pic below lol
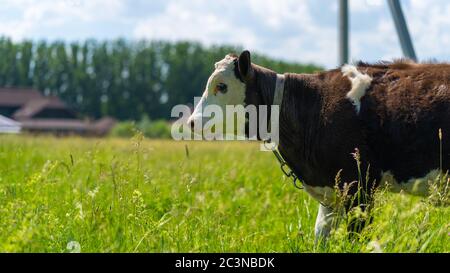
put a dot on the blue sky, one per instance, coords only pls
(295, 30)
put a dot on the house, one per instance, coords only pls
(37, 113)
(12, 99)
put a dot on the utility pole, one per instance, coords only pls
(402, 29)
(343, 32)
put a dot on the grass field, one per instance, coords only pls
(110, 195)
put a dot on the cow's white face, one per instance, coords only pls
(223, 88)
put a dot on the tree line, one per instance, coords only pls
(119, 78)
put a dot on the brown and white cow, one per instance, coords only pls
(390, 112)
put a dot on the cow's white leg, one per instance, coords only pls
(324, 222)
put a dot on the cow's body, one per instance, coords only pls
(391, 113)
(395, 130)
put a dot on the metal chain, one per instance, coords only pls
(286, 169)
(283, 165)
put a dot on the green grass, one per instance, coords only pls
(114, 195)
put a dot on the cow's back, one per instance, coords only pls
(402, 113)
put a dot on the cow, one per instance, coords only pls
(395, 114)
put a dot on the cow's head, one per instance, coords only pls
(227, 85)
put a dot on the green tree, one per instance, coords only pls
(119, 78)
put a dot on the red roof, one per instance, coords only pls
(35, 106)
(18, 96)
(29, 103)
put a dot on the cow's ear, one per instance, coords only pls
(245, 65)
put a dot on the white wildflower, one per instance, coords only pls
(374, 247)
(93, 192)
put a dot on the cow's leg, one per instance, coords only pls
(326, 217)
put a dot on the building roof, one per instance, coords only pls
(18, 96)
(33, 107)
(36, 113)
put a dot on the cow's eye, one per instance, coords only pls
(222, 88)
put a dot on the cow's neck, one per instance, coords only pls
(297, 115)
(300, 98)
(265, 85)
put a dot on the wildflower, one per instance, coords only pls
(93, 192)
(79, 206)
(137, 197)
(73, 247)
(356, 155)
(375, 247)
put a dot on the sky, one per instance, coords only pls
(293, 30)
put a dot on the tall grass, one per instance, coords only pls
(137, 195)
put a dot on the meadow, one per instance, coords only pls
(138, 195)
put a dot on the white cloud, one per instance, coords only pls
(304, 40)
(278, 14)
(381, 40)
(283, 29)
(304, 31)
(47, 13)
(366, 5)
(428, 23)
(429, 26)
(184, 21)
